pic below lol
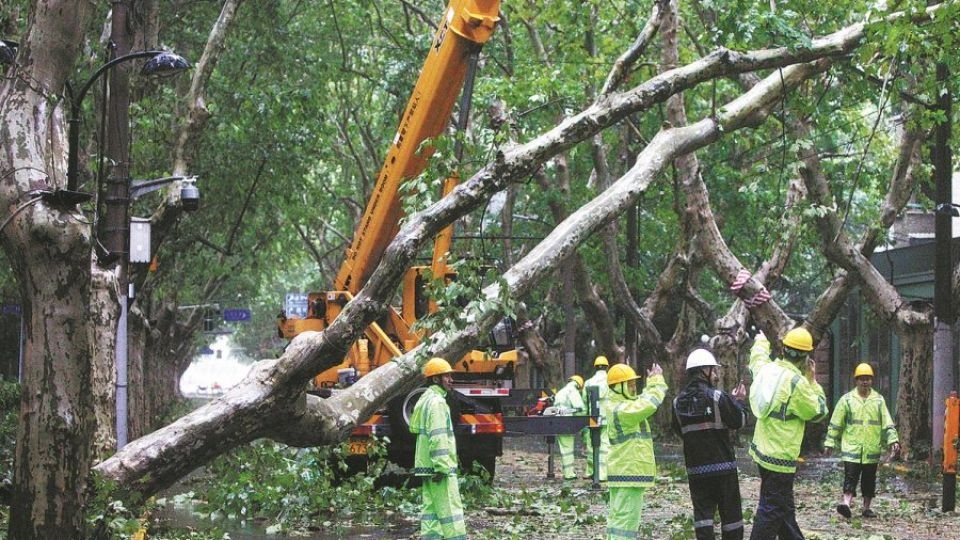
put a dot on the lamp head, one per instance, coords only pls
(8, 51)
(164, 64)
(948, 209)
(189, 195)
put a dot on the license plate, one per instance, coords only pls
(358, 448)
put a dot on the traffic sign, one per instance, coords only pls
(295, 305)
(236, 315)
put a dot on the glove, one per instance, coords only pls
(438, 476)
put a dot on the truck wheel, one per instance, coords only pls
(405, 408)
(399, 411)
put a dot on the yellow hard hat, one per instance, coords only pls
(799, 338)
(621, 373)
(863, 370)
(436, 366)
(601, 361)
(577, 379)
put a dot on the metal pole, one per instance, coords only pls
(550, 440)
(943, 363)
(943, 368)
(122, 378)
(116, 219)
(593, 396)
(20, 341)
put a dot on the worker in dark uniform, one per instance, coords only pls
(703, 416)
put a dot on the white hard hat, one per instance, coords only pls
(701, 358)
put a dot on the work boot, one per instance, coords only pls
(868, 513)
(843, 510)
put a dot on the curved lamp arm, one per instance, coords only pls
(176, 64)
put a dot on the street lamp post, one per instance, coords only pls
(159, 63)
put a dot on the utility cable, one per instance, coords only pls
(23, 206)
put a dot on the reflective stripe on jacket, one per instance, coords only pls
(703, 416)
(436, 445)
(793, 401)
(863, 426)
(569, 398)
(631, 462)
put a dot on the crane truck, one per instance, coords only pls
(482, 378)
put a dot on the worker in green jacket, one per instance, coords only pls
(631, 468)
(784, 396)
(435, 460)
(862, 424)
(598, 381)
(569, 400)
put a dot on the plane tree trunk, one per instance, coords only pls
(50, 252)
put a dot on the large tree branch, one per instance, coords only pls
(838, 247)
(157, 460)
(274, 388)
(624, 65)
(166, 216)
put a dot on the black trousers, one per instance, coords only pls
(863, 473)
(776, 512)
(712, 494)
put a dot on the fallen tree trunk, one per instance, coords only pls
(271, 402)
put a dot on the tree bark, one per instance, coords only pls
(915, 392)
(50, 252)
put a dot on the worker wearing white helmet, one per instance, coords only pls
(703, 416)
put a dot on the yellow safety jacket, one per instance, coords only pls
(863, 425)
(569, 398)
(436, 451)
(783, 400)
(631, 462)
(599, 379)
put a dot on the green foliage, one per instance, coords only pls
(9, 412)
(287, 489)
(106, 515)
(464, 297)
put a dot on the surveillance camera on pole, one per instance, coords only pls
(189, 194)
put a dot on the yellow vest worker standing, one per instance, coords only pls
(436, 456)
(570, 400)
(599, 380)
(784, 399)
(632, 467)
(862, 422)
